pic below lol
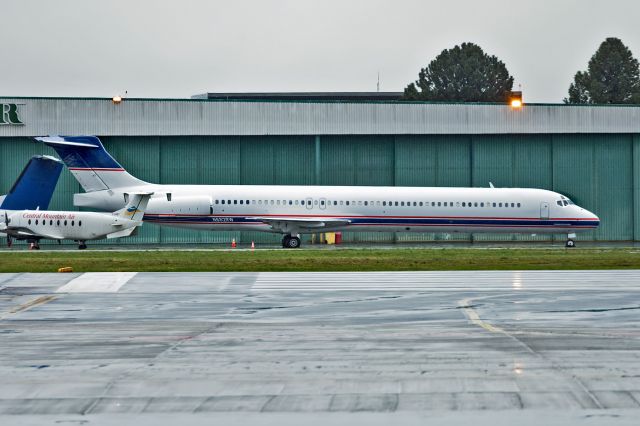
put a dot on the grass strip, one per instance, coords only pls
(420, 259)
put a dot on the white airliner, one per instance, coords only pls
(22, 219)
(295, 210)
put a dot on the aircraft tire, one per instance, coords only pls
(294, 242)
(285, 241)
(570, 244)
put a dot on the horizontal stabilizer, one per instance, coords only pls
(123, 233)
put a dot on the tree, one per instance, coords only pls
(612, 77)
(465, 74)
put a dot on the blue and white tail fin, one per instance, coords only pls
(90, 163)
(34, 187)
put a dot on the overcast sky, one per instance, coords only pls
(158, 48)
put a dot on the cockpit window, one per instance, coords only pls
(565, 202)
(559, 202)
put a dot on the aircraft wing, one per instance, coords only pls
(296, 224)
(25, 233)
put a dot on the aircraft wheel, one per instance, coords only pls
(82, 246)
(570, 244)
(285, 241)
(294, 242)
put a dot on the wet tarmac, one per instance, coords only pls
(535, 347)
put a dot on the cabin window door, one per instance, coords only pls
(309, 203)
(544, 210)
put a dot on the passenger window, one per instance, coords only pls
(377, 203)
(335, 203)
(73, 223)
(464, 204)
(58, 223)
(50, 223)
(347, 202)
(433, 204)
(241, 201)
(396, 204)
(481, 204)
(235, 201)
(216, 201)
(415, 204)
(248, 202)
(65, 223)
(36, 221)
(79, 223)
(499, 204)
(513, 204)
(228, 201)
(420, 203)
(518, 205)
(366, 203)
(322, 202)
(439, 203)
(297, 202)
(29, 222)
(402, 203)
(341, 202)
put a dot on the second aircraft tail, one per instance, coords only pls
(90, 163)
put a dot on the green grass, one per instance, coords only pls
(421, 259)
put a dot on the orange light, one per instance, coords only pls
(116, 99)
(516, 103)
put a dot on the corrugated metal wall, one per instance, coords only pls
(599, 172)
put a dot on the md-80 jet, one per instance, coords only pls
(295, 210)
(23, 214)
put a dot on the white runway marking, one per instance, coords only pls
(97, 282)
(450, 281)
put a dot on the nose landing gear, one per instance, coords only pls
(570, 242)
(289, 241)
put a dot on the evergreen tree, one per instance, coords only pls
(612, 77)
(465, 74)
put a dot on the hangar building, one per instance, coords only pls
(590, 153)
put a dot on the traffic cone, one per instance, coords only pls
(253, 245)
(233, 243)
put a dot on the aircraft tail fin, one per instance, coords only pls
(92, 166)
(34, 187)
(136, 206)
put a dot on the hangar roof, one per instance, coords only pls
(159, 117)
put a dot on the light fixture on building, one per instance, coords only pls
(515, 99)
(116, 99)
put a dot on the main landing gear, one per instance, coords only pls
(82, 245)
(289, 241)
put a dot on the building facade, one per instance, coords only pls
(589, 153)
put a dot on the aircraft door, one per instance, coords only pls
(323, 203)
(544, 210)
(309, 203)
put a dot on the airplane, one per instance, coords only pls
(295, 210)
(23, 213)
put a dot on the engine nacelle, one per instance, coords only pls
(181, 205)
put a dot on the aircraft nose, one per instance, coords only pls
(593, 218)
